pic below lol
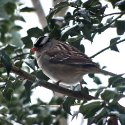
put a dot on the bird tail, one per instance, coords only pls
(108, 73)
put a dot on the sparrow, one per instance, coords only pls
(62, 62)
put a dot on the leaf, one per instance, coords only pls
(8, 93)
(68, 102)
(27, 9)
(120, 24)
(15, 17)
(56, 9)
(27, 85)
(16, 28)
(116, 81)
(122, 119)
(35, 32)
(47, 120)
(5, 59)
(97, 80)
(101, 114)
(39, 74)
(10, 7)
(113, 45)
(90, 109)
(76, 42)
(9, 48)
(107, 95)
(27, 41)
(72, 31)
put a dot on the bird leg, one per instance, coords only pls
(57, 83)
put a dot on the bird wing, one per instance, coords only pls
(70, 56)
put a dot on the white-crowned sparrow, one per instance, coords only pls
(63, 62)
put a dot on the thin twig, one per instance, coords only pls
(107, 48)
(100, 29)
(40, 12)
(116, 13)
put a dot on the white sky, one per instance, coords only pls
(114, 61)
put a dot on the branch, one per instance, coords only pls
(40, 12)
(100, 29)
(107, 48)
(54, 87)
(116, 13)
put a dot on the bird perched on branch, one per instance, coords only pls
(63, 62)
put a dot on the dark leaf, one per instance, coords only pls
(27, 85)
(99, 116)
(90, 109)
(47, 120)
(97, 80)
(121, 5)
(16, 28)
(27, 9)
(120, 24)
(8, 93)
(107, 95)
(9, 48)
(56, 9)
(35, 32)
(113, 45)
(72, 31)
(116, 81)
(27, 41)
(68, 103)
(20, 18)
(39, 74)
(6, 61)
(77, 43)
(122, 119)
(10, 7)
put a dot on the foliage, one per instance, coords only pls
(85, 22)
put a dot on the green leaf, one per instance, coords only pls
(76, 42)
(16, 28)
(9, 48)
(39, 74)
(48, 120)
(8, 93)
(122, 119)
(15, 17)
(72, 31)
(27, 85)
(90, 109)
(27, 41)
(120, 24)
(68, 103)
(27, 9)
(97, 80)
(102, 114)
(113, 45)
(57, 8)
(107, 95)
(5, 59)
(10, 7)
(35, 32)
(116, 81)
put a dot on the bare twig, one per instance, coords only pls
(40, 12)
(107, 48)
(100, 29)
(116, 13)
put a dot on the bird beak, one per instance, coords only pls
(34, 49)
